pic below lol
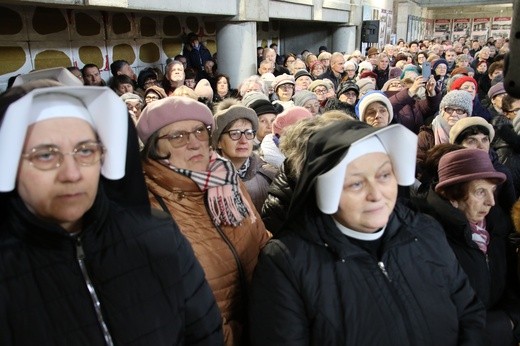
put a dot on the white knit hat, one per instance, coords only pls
(371, 97)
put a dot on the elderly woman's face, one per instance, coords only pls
(376, 115)
(265, 125)
(369, 193)
(477, 141)
(237, 150)
(469, 87)
(452, 114)
(285, 92)
(61, 195)
(303, 82)
(194, 154)
(479, 200)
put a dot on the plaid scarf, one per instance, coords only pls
(226, 202)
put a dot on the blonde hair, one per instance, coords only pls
(293, 143)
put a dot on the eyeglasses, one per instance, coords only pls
(512, 110)
(458, 111)
(237, 134)
(151, 98)
(320, 91)
(48, 157)
(286, 87)
(180, 138)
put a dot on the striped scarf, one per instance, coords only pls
(226, 202)
(480, 235)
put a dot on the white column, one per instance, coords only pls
(236, 50)
(344, 39)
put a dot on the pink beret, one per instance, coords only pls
(289, 117)
(170, 110)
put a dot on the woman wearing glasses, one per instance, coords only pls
(203, 193)
(455, 105)
(77, 266)
(235, 130)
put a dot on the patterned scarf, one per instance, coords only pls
(226, 202)
(242, 171)
(480, 235)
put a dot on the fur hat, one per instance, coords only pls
(465, 165)
(229, 115)
(459, 98)
(346, 86)
(169, 110)
(496, 90)
(289, 117)
(252, 97)
(365, 85)
(204, 89)
(301, 73)
(464, 123)
(281, 80)
(457, 83)
(262, 106)
(302, 96)
(368, 99)
(268, 79)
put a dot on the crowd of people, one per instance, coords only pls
(333, 198)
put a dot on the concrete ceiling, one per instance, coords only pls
(457, 3)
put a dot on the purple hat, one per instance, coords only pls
(465, 165)
(170, 110)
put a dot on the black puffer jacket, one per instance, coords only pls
(150, 287)
(314, 286)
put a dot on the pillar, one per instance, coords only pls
(236, 50)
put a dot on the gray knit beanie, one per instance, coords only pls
(365, 85)
(458, 98)
(229, 115)
(303, 96)
(253, 96)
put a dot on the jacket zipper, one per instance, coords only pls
(381, 266)
(80, 255)
(241, 273)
